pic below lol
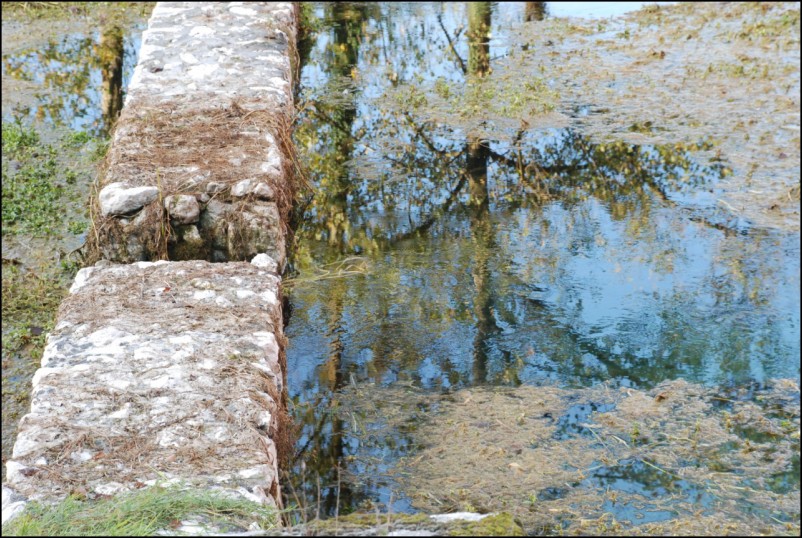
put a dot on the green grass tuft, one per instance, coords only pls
(139, 513)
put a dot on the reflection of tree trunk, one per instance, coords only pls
(482, 238)
(534, 11)
(332, 379)
(344, 53)
(333, 193)
(337, 220)
(479, 38)
(110, 57)
(331, 376)
(477, 153)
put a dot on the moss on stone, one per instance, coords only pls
(502, 524)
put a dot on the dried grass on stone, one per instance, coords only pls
(132, 454)
(181, 149)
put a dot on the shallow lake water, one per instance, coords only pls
(484, 252)
(454, 242)
(64, 78)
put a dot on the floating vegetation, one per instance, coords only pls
(491, 449)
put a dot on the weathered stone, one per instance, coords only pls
(213, 221)
(208, 383)
(263, 191)
(215, 187)
(265, 261)
(221, 80)
(120, 199)
(256, 229)
(243, 188)
(183, 208)
(191, 235)
(273, 158)
(272, 166)
(13, 504)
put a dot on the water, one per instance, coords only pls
(482, 252)
(69, 77)
(490, 253)
(647, 483)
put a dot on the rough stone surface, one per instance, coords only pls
(120, 198)
(214, 187)
(174, 371)
(265, 261)
(255, 228)
(243, 188)
(264, 191)
(183, 208)
(208, 104)
(13, 504)
(156, 371)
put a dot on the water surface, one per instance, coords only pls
(486, 251)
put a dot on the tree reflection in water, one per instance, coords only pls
(80, 78)
(499, 255)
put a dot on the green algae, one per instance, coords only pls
(502, 524)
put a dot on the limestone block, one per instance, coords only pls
(183, 208)
(119, 198)
(256, 229)
(264, 191)
(13, 504)
(243, 188)
(260, 189)
(218, 80)
(265, 261)
(213, 222)
(191, 235)
(181, 357)
(215, 187)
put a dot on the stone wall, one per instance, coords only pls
(174, 370)
(201, 164)
(158, 371)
